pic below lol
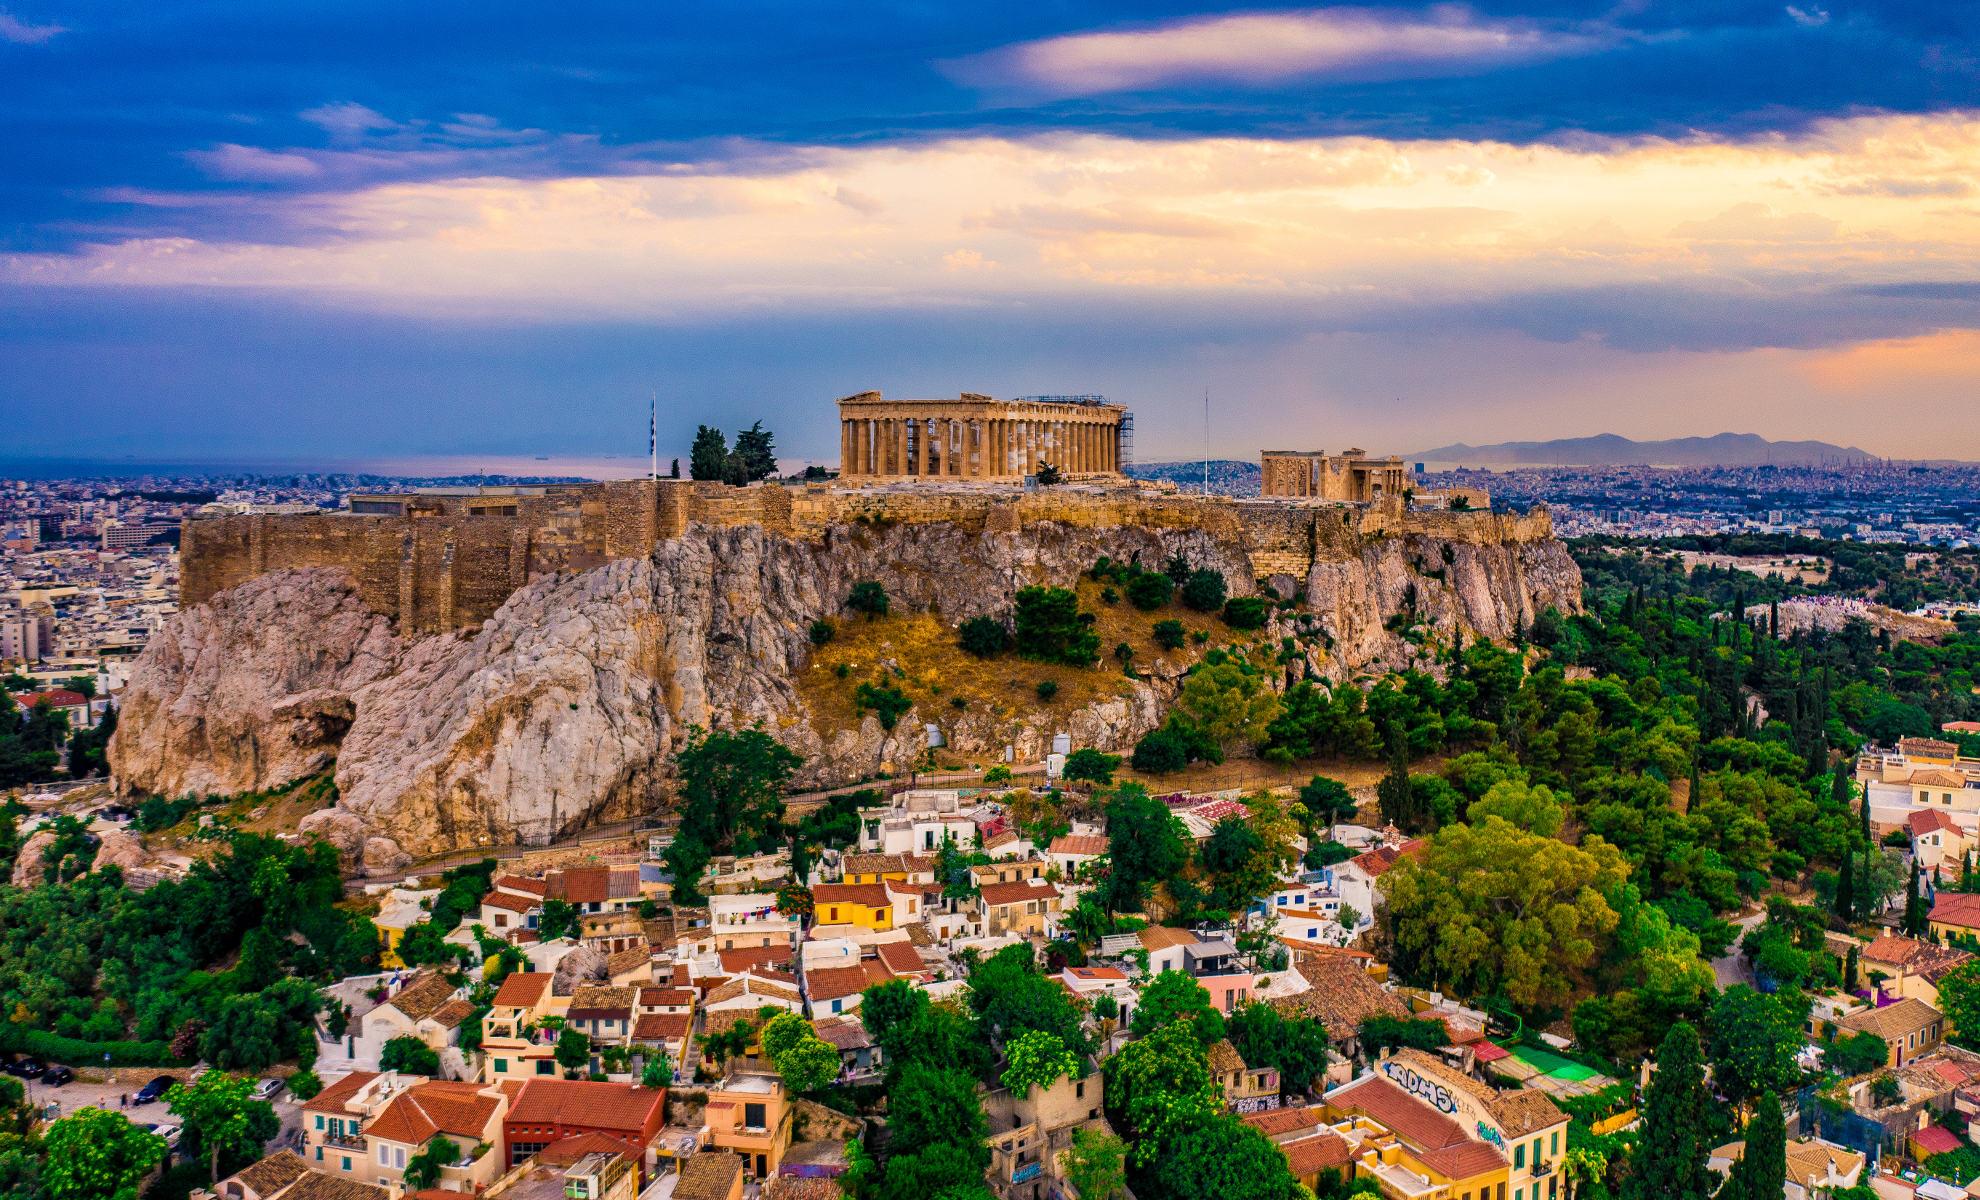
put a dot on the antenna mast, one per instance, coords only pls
(1206, 441)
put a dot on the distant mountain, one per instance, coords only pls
(1613, 450)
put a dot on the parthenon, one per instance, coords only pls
(977, 437)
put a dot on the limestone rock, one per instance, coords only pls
(119, 849)
(28, 867)
(563, 709)
(251, 690)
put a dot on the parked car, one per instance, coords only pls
(27, 1068)
(169, 1132)
(267, 1088)
(154, 1090)
(56, 1076)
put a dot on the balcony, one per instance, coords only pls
(1542, 1168)
(345, 1141)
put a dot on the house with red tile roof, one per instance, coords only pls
(1029, 908)
(466, 1114)
(543, 1112)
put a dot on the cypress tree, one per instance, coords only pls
(1761, 1170)
(1849, 970)
(1846, 887)
(1395, 796)
(1915, 918)
(1669, 1162)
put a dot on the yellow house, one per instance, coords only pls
(888, 868)
(868, 905)
(1910, 1027)
(401, 910)
(1955, 919)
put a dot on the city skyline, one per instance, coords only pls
(349, 232)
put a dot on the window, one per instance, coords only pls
(1554, 1143)
(835, 1005)
(319, 1120)
(755, 1116)
(347, 1164)
(384, 1155)
(1079, 1090)
(1519, 1155)
(545, 1066)
(501, 1066)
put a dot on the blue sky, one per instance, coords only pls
(304, 229)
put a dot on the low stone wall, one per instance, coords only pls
(453, 568)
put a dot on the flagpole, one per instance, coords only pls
(653, 437)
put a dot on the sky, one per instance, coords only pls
(308, 230)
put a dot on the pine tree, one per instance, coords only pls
(708, 458)
(1669, 1162)
(1761, 1170)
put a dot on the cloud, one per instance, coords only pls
(1271, 47)
(252, 164)
(1811, 16)
(21, 33)
(348, 120)
(1647, 244)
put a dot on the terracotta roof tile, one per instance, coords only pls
(998, 894)
(413, 1116)
(663, 1027)
(581, 1102)
(835, 983)
(424, 995)
(523, 989)
(331, 1099)
(709, 1175)
(1085, 843)
(1957, 908)
(1325, 1151)
(872, 895)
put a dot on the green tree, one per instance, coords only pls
(1049, 627)
(984, 636)
(559, 918)
(1246, 612)
(1204, 591)
(1675, 1139)
(731, 799)
(1295, 1047)
(1229, 702)
(708, 458)
(98, 1155)
(933, 1105)
(1159, 1087)
(1096, 1164)
(1224, 1159)
(1752, 1039)
(1378, 1034)
(1531, 807)
(573, 1051)
(1959, 999)
(1036, 1059)
(1011, 998)
(1146, 843)
(423, 1168)
(1492, 909)
(657, 1073)
(755, 455)
(1169, 634)
(1761, 1170)
(1857, 1054)
(1328, 802)
(869, 597)
(1149, 590)
(1087, 765)
(408, 1054)
(223, 1120)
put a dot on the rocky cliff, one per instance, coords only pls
(562, 709)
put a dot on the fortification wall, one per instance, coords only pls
(443, 570)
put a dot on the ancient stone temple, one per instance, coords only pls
(1352, 476)
(976, 437)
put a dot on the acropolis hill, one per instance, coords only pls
(489, 666)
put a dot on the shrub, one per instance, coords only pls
(842, 670)
(1050, 627)
(1149, 590)
(1245, 612)
(408, 1054)
(304, 1085)
(822, 631)
(80, 1052)
(1160, 751)
(1204, 591)
(985, 636)
(1109, 596)
(1047, 688)
(885, 701)
(1169, 634)
(868, 597)
(997, 774)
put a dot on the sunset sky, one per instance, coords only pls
(341, 230)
